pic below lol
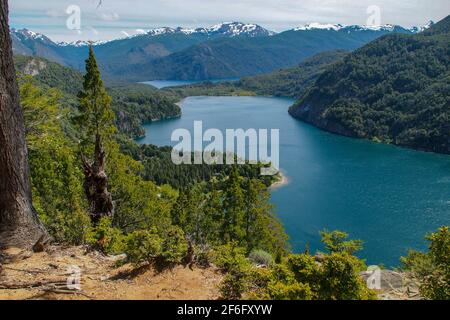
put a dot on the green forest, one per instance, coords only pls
(393, 90)
(163, 215)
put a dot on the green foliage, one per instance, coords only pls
(393, 90)
(143, 246)
(230, 256)
(290, 82)
(104, 237)
(335, 242)
(96, 118)
(298, 276)
(133, 104)
(340, 280)
(218, 213)
(137, 104)
(55, 175)
(295, 291)
(261, 257)
(147, 246)
(159, 168)
(432, 268)
(174, 246)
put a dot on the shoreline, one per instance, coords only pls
(179, 103)
(282, 182)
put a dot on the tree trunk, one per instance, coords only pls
(19, 223)
(96, 184)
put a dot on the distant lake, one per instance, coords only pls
(388, 196)
(176, 83)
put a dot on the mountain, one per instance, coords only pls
(222, 51)
(294, 81)
(133, 104)
(291, 82)
(239, 57)
(140, 48)
(394, 90)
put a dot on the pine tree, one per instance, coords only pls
(233, 204)
(97, 123)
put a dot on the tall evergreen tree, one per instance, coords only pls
(233, 224)
(97, 123)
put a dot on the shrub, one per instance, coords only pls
(106, 238)
(340, 280)
(432, 268)
(261, 257)
(229, 257)
(143, 246)
(174, 247)
(294, 291)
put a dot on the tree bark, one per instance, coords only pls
(19, 223)
(96, 184)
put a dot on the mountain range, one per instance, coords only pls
(226, 50)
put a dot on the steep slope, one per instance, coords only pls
(290, 82)
(135, 49)
(133, 104)
(239, 57)
(395, 89)
(223, 51)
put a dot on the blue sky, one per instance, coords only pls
(116, 18)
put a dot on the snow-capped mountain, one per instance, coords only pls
(231, 29)
(228, 29)
(28, 35)
(192, 53)
(354, 28)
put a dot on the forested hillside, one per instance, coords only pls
(133, 104)
(394, 90)
(291, 82)
(228, 50)
(232, 58)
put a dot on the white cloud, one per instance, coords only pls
(116, 15)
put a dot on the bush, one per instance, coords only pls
(261, 257)
(143, 246)
(432, 268)
(295, 291)
(340, 280)
(106, 238)
(174, 247)
(229, 257)
(146, 246)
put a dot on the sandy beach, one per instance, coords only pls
(282, 181)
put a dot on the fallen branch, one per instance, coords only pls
(9, 286)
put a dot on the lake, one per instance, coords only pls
(159, 84)
(388, 196)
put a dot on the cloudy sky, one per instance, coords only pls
(116, 18)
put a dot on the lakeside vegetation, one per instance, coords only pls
(393, 90)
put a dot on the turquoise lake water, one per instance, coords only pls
(175, 83)
(388, 196)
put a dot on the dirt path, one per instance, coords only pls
(46, 274)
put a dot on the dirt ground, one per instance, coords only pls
(54, 274)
